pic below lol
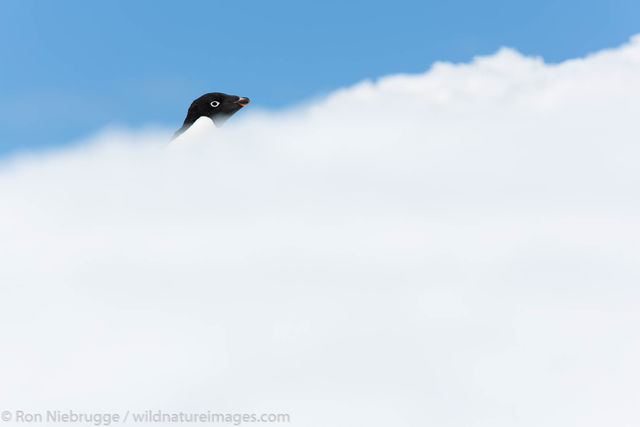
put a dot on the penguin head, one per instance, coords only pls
(217, 106)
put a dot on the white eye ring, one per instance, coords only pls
(214, 104)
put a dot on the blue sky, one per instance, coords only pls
(70, 68)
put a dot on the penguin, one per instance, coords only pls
(209, 111)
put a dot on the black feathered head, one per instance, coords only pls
(215, 105)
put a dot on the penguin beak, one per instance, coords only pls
(243, 101)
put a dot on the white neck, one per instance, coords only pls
(201, 129)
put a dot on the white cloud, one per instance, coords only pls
(453, 248)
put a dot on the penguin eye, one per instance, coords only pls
(214, 104)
